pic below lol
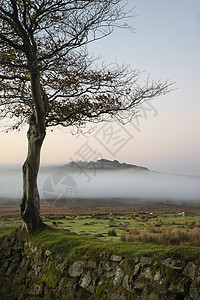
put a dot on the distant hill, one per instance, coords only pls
(102, 164)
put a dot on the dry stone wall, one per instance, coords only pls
(30, 272)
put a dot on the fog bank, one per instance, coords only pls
(56, 182)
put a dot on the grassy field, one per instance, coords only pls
(159, 227)
(131, 227)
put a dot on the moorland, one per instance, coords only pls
(150, 222)
(146, 251)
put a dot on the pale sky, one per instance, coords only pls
(166, 137)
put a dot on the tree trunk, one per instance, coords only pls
(30, 203)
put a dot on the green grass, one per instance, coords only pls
(58, 239)
(85, 226)
(71, 244)
(66, 242)
(67, 233)
(90, 225)
(6, 230)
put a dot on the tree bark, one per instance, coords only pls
(30, 203)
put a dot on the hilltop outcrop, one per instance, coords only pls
(103, 164)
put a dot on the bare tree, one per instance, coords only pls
(47, 77)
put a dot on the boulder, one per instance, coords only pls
(128, 283)
(85, 280)
(172, 264)
(116, 258)
(147, 273)
(76, 269)
(190, 270)
(136, 269)
(145, 261)
(118, 276)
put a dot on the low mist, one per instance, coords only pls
(57, 182)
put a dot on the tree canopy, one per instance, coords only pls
(47, 77)
(54, 35)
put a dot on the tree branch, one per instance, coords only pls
(10, 43)
(14, 77)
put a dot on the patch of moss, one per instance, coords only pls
(51, 280)
(100, 290)
(166, 272)
(185, 253)
(48, 295)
